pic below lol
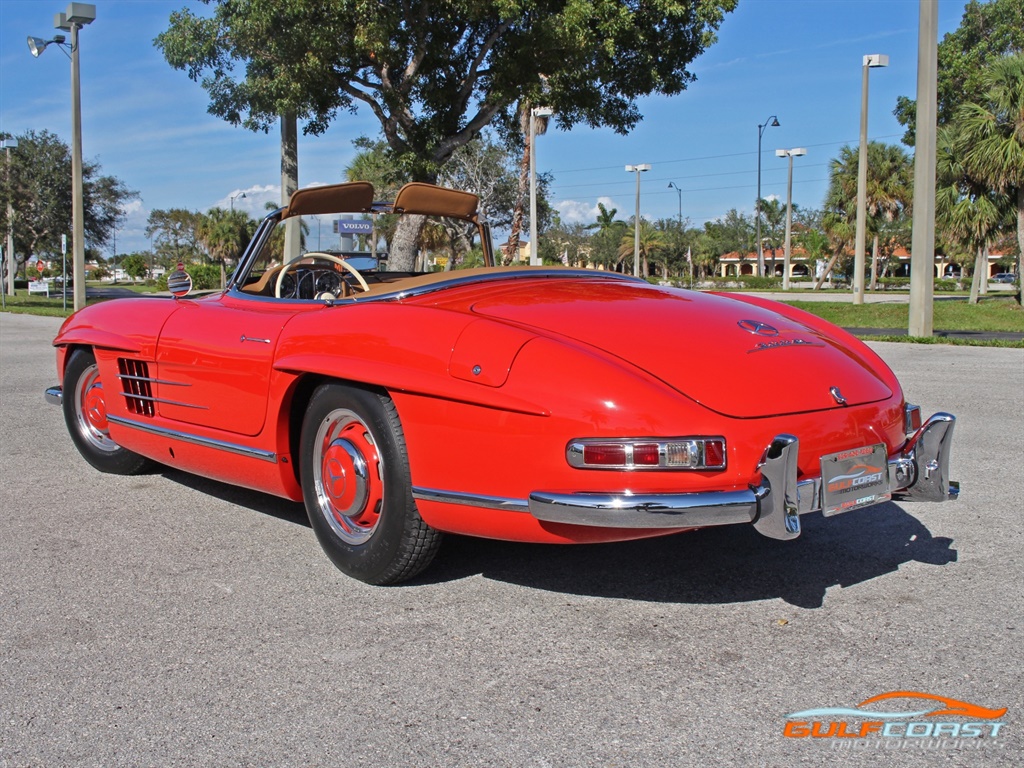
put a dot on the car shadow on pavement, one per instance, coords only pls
(282, 509)
(729, 564)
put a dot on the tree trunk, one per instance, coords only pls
(874, 264)
(523, 188)
(1020, 241)
(828, 271)
(976, 277)
(405, 243)
(983, 280)
(290, 183)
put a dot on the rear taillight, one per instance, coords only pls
(675, 453)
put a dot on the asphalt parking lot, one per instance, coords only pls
(170, 620)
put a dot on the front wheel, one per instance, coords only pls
(85, 412)
(357, 488)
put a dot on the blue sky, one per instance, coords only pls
(798, 59)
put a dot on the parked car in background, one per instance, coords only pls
(1004, 277)
(543, 404)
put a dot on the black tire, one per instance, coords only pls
(85, 413)
(357, 487)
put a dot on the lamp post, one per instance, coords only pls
(232, 200)
(535, 112)
(679, 193)
(870, 61)
(771, 122)
(790, 153)
(637, 169)
(76, 16)
(7, 145)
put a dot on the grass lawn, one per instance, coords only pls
(994, 313)
(37, 304)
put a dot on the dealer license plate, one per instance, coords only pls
(855, 478)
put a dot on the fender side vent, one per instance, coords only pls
(137, 386)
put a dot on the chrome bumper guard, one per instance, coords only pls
(919, 473)
(54, 395)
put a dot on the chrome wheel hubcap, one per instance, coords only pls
(91, 411)
(347, 475)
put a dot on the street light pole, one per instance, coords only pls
(535, 112)
(771, 122)
(870, 61)
(637, 169)
(8, 145)
(790, 153)
(232, 200)
(922, 245)
(72, 20)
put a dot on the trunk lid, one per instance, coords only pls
(734, 358)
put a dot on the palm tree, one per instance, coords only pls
(608, 236)
(968, 213)
(651, 241)
(224, 234)
(990, 137)
(888, 194)
(773, 226)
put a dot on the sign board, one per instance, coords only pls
(356, 227)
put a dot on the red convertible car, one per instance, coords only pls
(526, 404)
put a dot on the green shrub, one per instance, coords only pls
(204, 277)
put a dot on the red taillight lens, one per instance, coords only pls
(645, 454)
(714, 453)
(604, 455)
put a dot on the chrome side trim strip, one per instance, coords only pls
(471, 499)
(132, 396)
(54, 395)
(152, 380)
(206, 442)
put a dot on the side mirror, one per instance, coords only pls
(179, 283)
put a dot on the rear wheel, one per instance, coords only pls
(357, 488)
(85, 412)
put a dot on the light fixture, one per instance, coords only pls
(36, 45)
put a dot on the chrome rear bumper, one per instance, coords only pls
(919, 473)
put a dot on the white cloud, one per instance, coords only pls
(253, 200)
(576, 212)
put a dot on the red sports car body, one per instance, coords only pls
(527, 404)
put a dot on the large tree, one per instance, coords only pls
(987, 32)
(40, 196)
(176, 233)
(434, 74)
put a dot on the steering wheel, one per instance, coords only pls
(319, 255)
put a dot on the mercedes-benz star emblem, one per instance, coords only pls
(756, 328)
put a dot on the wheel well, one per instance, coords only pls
(302, 392)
